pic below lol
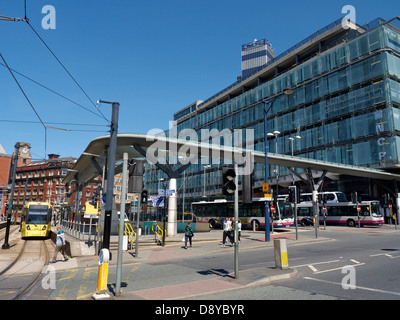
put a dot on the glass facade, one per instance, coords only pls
(345, 107)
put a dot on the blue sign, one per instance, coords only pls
(169, 193)
(157, 201)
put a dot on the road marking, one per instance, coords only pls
(309, 264)
(313, 268)
(385, 254)
(355, 261)
(62, 294)
(72, 272)
(340, 268)
(357, 287)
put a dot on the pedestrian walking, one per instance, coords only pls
(239, 229)
(227, 230)
(60, 245)
(232, 233)
(188, 234)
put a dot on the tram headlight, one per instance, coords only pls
(28, 227)
(44, 228)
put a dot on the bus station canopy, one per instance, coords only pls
(90, 163)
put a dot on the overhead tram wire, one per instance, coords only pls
(66, 70)
(53, 91)
(30, 103)
(6, 18)
(60, 123)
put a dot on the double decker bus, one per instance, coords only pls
(342, 214)
(251, 215)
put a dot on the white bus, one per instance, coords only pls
(330, 196)
(342, 214)
(251, 215)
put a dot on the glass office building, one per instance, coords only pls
(345, 105)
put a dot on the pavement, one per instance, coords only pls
(182, 282)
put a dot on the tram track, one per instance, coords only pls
(25, 289)
(25, 269)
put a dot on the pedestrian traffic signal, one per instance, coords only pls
(228, 181)
(144, 196)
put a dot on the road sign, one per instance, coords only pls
(169, 192)
(157, 201)
(272, 208)
(265, 187)
(324, 209)
(358, 208)
(390, 206)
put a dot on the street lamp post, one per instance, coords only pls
(292, 142)
(269, 102)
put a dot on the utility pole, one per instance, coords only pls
(110, 173)
(236, 215)
(121, 225)
(6, 245)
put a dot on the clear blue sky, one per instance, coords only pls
(154, 57)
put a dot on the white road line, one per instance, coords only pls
(309, 264)
(339, 268)
(355, 261)
(357, 287)
(313, 268)
(385, 254)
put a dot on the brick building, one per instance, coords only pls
(42, 181)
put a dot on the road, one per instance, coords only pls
(373, 271)
(372, 255)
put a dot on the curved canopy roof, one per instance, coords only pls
(92, 159)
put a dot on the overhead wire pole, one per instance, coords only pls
(6, 245)
(112, 149)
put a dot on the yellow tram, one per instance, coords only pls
(36, 220)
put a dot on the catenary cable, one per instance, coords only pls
(66, 70)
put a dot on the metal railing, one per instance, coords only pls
(158, 232)
(80, 230)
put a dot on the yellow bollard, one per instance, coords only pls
(280, 252)
(104, 258)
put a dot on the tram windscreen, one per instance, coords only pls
(37, 214)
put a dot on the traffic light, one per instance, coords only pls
(144, 196)
(228, 181)
(292, 194)
(136, 171)
(247, 188)
(354, 197)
